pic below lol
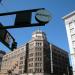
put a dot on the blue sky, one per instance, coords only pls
(55, 29)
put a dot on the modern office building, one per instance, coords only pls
(37, 57)
(70, 28)
(2, 53)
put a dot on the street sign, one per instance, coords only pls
(6, 38)
(43, 16)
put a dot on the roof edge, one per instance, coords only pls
(68, 15)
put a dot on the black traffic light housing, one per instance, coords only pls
(14, 45)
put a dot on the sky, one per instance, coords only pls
(55, 29)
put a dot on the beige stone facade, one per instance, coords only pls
(37, 57)
(37, 47)
(2, 53)
(14, 61)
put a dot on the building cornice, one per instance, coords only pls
(68, 15)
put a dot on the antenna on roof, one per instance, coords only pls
(38, 30)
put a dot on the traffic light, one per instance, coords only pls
(6, 38)
(14, 45)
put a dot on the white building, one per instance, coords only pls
(70, 28)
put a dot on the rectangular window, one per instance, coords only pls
(30, 70)
(37, 69)
(40, 70)
(21, 62)
(36, 64)
(31, 59)
(20, 67)
(71, 25)
(38, 43)
(21, 58)
(72, 31)
(20, 72)
(73, 37)
(30, 55)
(73, 43)
(31, 65)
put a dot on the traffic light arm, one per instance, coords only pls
(18, 12)
(22, 19)
(20, 26)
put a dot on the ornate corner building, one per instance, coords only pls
(37, 57)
